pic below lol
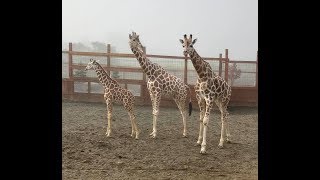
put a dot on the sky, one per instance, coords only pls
(217, 25)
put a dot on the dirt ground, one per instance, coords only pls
(88, 154)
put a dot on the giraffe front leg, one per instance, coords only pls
(202, 107)
(155, 112)
(109, 111)
(154, 125)
(205, 128)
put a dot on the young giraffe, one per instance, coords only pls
(160, 82)
(210, 88)
(114, 92)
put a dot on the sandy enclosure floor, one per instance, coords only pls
(88, 154)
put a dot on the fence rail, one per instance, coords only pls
(78, 85)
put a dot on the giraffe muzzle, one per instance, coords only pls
(185, 53)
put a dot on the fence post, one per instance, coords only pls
(220, 64)
(71, 84)
(70, 61)
(257, 71)
(108, 58)
(226, 67)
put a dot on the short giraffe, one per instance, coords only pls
(210, 88)
(160, 82)
(113, 92)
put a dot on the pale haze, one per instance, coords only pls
(217, 24)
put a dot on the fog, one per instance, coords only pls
(217, 24)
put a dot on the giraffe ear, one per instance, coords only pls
(130, 36)
(91, 60)
(194, 41)
(181, 41)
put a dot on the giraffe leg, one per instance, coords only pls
(129, 105)
(134, 125)
(137, 131)
(155, 112)
(224, 126)
(205, 127)
(226, 121)
(109, 110)
(182, 108)
(202, 107)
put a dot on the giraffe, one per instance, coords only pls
(113, 92)
(160, 82)
(210, 88)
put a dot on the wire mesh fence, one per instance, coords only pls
(126, 69)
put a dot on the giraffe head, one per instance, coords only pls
(91, 65)
(187, 44)
(134, 41)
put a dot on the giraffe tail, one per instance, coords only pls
(190, 103)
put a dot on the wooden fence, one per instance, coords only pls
(242, 95)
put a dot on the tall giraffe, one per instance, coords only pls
(160, 82)
(113, 92)
(210, 88)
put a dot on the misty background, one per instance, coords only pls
(217, 24)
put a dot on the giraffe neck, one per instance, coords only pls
(147, 66)
(202, 67)
(103, 76)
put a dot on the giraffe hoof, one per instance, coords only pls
(184, 135)
(228, 141)
(203, 151)
(220, 146)
(153, 134)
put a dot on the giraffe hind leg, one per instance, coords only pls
(181, 105)
(134, 128)
(225, 134)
